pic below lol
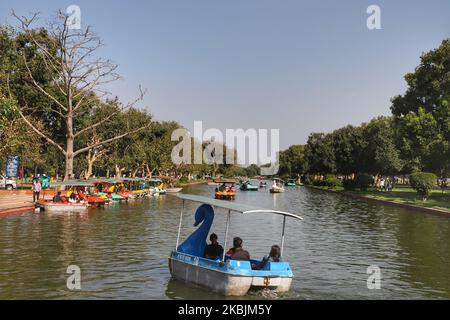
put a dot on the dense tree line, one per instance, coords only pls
(415, 138)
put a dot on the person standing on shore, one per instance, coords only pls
(36, 189)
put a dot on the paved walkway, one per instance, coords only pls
(16, 201)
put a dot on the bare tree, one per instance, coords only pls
(78, 77)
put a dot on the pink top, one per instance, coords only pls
(37, 186)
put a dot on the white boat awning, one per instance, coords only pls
(234, 206)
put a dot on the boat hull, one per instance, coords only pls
(173, 190)
(225, 283)
(276, 190)
(56, 207)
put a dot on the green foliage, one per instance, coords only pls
(422, 114)
(349, 184)
(319, 154)
(332, 181)
(292, 161)
(363, 181)
(423, 182)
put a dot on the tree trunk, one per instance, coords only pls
(90, 164)
(69, 165)
(119, 171)
(70, 138)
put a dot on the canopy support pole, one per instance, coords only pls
(282, 235)
(226, 236)
(179, 226)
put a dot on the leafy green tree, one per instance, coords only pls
(348, 145)
(423, 113)
(292, 161)
(319, 154)
(380, 154)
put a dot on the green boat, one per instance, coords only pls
(114, 196)
(247, 186)
(291, 182)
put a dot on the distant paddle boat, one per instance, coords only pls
(247, 186)
(291, 182)
(224, 275)
(157, 187)
(227, 191)
(263, 184)
(173, 190)
(277, 186)
(74, 200)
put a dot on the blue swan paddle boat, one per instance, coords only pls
(223, 275)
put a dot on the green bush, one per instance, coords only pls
(331, 181)
(363, 181)
(423, 183)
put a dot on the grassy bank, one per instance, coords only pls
(403, 195)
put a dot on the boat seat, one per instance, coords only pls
(240, 264)
(276, 266)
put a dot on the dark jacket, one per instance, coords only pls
(240, 254)
(213, 251)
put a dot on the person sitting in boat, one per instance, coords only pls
(274, 256)
(222, 187)
(237, 252)
(213, 250)
(57, 197)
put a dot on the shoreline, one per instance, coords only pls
(428, 210)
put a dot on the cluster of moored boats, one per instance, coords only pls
(78, 195)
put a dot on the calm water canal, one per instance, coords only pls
(122, 250)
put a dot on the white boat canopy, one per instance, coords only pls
(233, 206)
(71, 184)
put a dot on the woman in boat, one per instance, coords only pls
(213, 250)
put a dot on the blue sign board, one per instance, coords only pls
(12, 166)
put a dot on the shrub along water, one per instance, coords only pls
(423, 183)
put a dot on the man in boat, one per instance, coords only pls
(237, 252)
(213, 250)
(57, 197)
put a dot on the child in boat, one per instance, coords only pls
(213, 250)
(274, 256)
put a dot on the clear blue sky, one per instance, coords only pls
(300, 66)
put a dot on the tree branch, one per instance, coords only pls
(41, 133)
(109, 140)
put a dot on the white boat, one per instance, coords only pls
(224, 275)
(173, 190)
(63, 206)
(277, 186)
